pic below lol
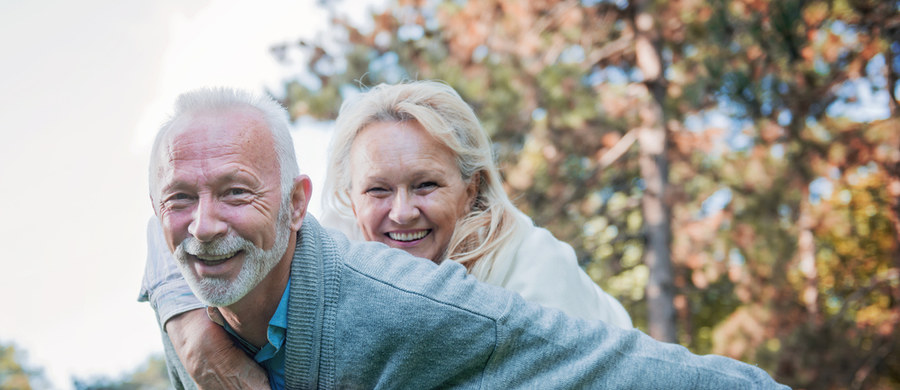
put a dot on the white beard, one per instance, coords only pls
(258, 263)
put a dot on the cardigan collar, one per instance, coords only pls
(314, 291)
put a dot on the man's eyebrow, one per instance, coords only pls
(174, 185)
(239, 175)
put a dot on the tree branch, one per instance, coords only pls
(618, 149)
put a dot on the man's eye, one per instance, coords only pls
(237, 191)
(178, 201)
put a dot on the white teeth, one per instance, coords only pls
(408, 236)
(206, 257)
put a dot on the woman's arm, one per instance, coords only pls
(204, 348)
(210, 356)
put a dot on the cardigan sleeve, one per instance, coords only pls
(537, 347)
(545, 271)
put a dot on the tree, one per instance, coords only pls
(736, 122)
(14, 373)
(151, 375)
(787, 76)
(511, 72)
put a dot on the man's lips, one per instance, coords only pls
(213, 260)
(408, 236)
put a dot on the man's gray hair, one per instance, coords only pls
(220, 99)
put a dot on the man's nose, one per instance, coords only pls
(207, 225)
(404, 209)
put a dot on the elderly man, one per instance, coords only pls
(329, 313)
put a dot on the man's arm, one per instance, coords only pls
(210, 356)
(538, 345)
(204, 348)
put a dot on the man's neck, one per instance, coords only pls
(249, 317)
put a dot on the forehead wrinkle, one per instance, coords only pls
(216, 174)
(241, 132)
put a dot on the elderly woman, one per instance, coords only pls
(409, 166)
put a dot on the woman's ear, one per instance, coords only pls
(473, 189)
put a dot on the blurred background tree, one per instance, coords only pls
(151, 375)
(15, 373)
(730, 170)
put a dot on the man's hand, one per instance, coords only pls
(210, 356)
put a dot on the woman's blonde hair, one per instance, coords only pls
(492, 222)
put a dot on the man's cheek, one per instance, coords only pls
(172, 242)
(173, 229)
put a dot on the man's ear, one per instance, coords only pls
(300, 200)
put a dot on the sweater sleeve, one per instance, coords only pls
(536, 347)
(163, 285)
(545, 271)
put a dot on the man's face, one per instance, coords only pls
(220, 202)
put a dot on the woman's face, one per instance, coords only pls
(406, 189)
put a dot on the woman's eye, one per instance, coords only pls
(428, 185)
(377, 191)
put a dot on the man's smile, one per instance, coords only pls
(215, 259)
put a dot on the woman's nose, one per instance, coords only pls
(403, 208)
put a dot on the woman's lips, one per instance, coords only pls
(408, 236)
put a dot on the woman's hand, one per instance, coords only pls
(210, 356)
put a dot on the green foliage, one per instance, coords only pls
(798, 270)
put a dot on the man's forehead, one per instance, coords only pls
(222, 120)
(238, 125)
(213, 135)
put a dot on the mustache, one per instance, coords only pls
(219, 247)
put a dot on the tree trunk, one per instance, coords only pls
(806, 260)
(655, 172)
(660, 289)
